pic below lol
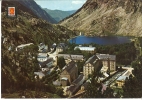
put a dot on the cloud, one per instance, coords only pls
(78, 2)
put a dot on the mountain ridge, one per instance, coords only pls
(31, 4)
(19, 65)
(107, 17)
(59, 14)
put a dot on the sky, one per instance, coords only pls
(65, 5)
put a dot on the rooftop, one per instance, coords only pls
(80, 77)
(63, 45)
(70, 66)
(92, 60)
(85, 84)
(122, 78)
(71, 88)
(69, 56)
(106, 56)
(45, 62)
(85, 48)
(42, 54)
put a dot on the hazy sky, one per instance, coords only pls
(64, 5)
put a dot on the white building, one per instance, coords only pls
(91, 65)
(89, 49)
(40, 74)
(42, 57)
(48, 63)
(42, 47)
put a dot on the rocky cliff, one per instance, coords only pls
(107, 17)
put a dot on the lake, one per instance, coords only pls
(105, 40)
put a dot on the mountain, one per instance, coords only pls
(58, 15)
(32, 6)
(17, 68)
(28, 24)
(107, 17)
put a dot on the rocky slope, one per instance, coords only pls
(17, 68)
(32, 7)
(107, 17)
(58, 15)
(27, 27)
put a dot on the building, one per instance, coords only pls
(89, 49)
(93, 64)
(53, 47)
(40, 74)
(44, 69)
(100, 62)
(42, 48)
(84, 86)
(48, 63)
(108, 61)
(41, 57)
(61, 47)
(72, 57)
(22, 46)
(57, 83)
(69, 73)
(79, 81)
(121, 80)
(75, 85)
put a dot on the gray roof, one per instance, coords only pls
(85, 84)
(66, 56)
(73, 57)
(92, 60)
(122, 78)
(77, 57)
(80, 77)
(69, 66)
(106, 56)
(72, 88)
(61, 45)
(45, 62)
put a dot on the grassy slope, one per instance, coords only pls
(58, 14)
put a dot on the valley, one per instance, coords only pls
(94, 52)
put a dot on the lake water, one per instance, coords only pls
(106, 40)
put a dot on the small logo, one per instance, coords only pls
(11, 12)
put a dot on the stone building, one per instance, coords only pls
(91, 65)
(99, 62)
(75, 85)
(108, 61)
(69, 57)
(69, 73)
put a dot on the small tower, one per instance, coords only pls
(80, 33)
